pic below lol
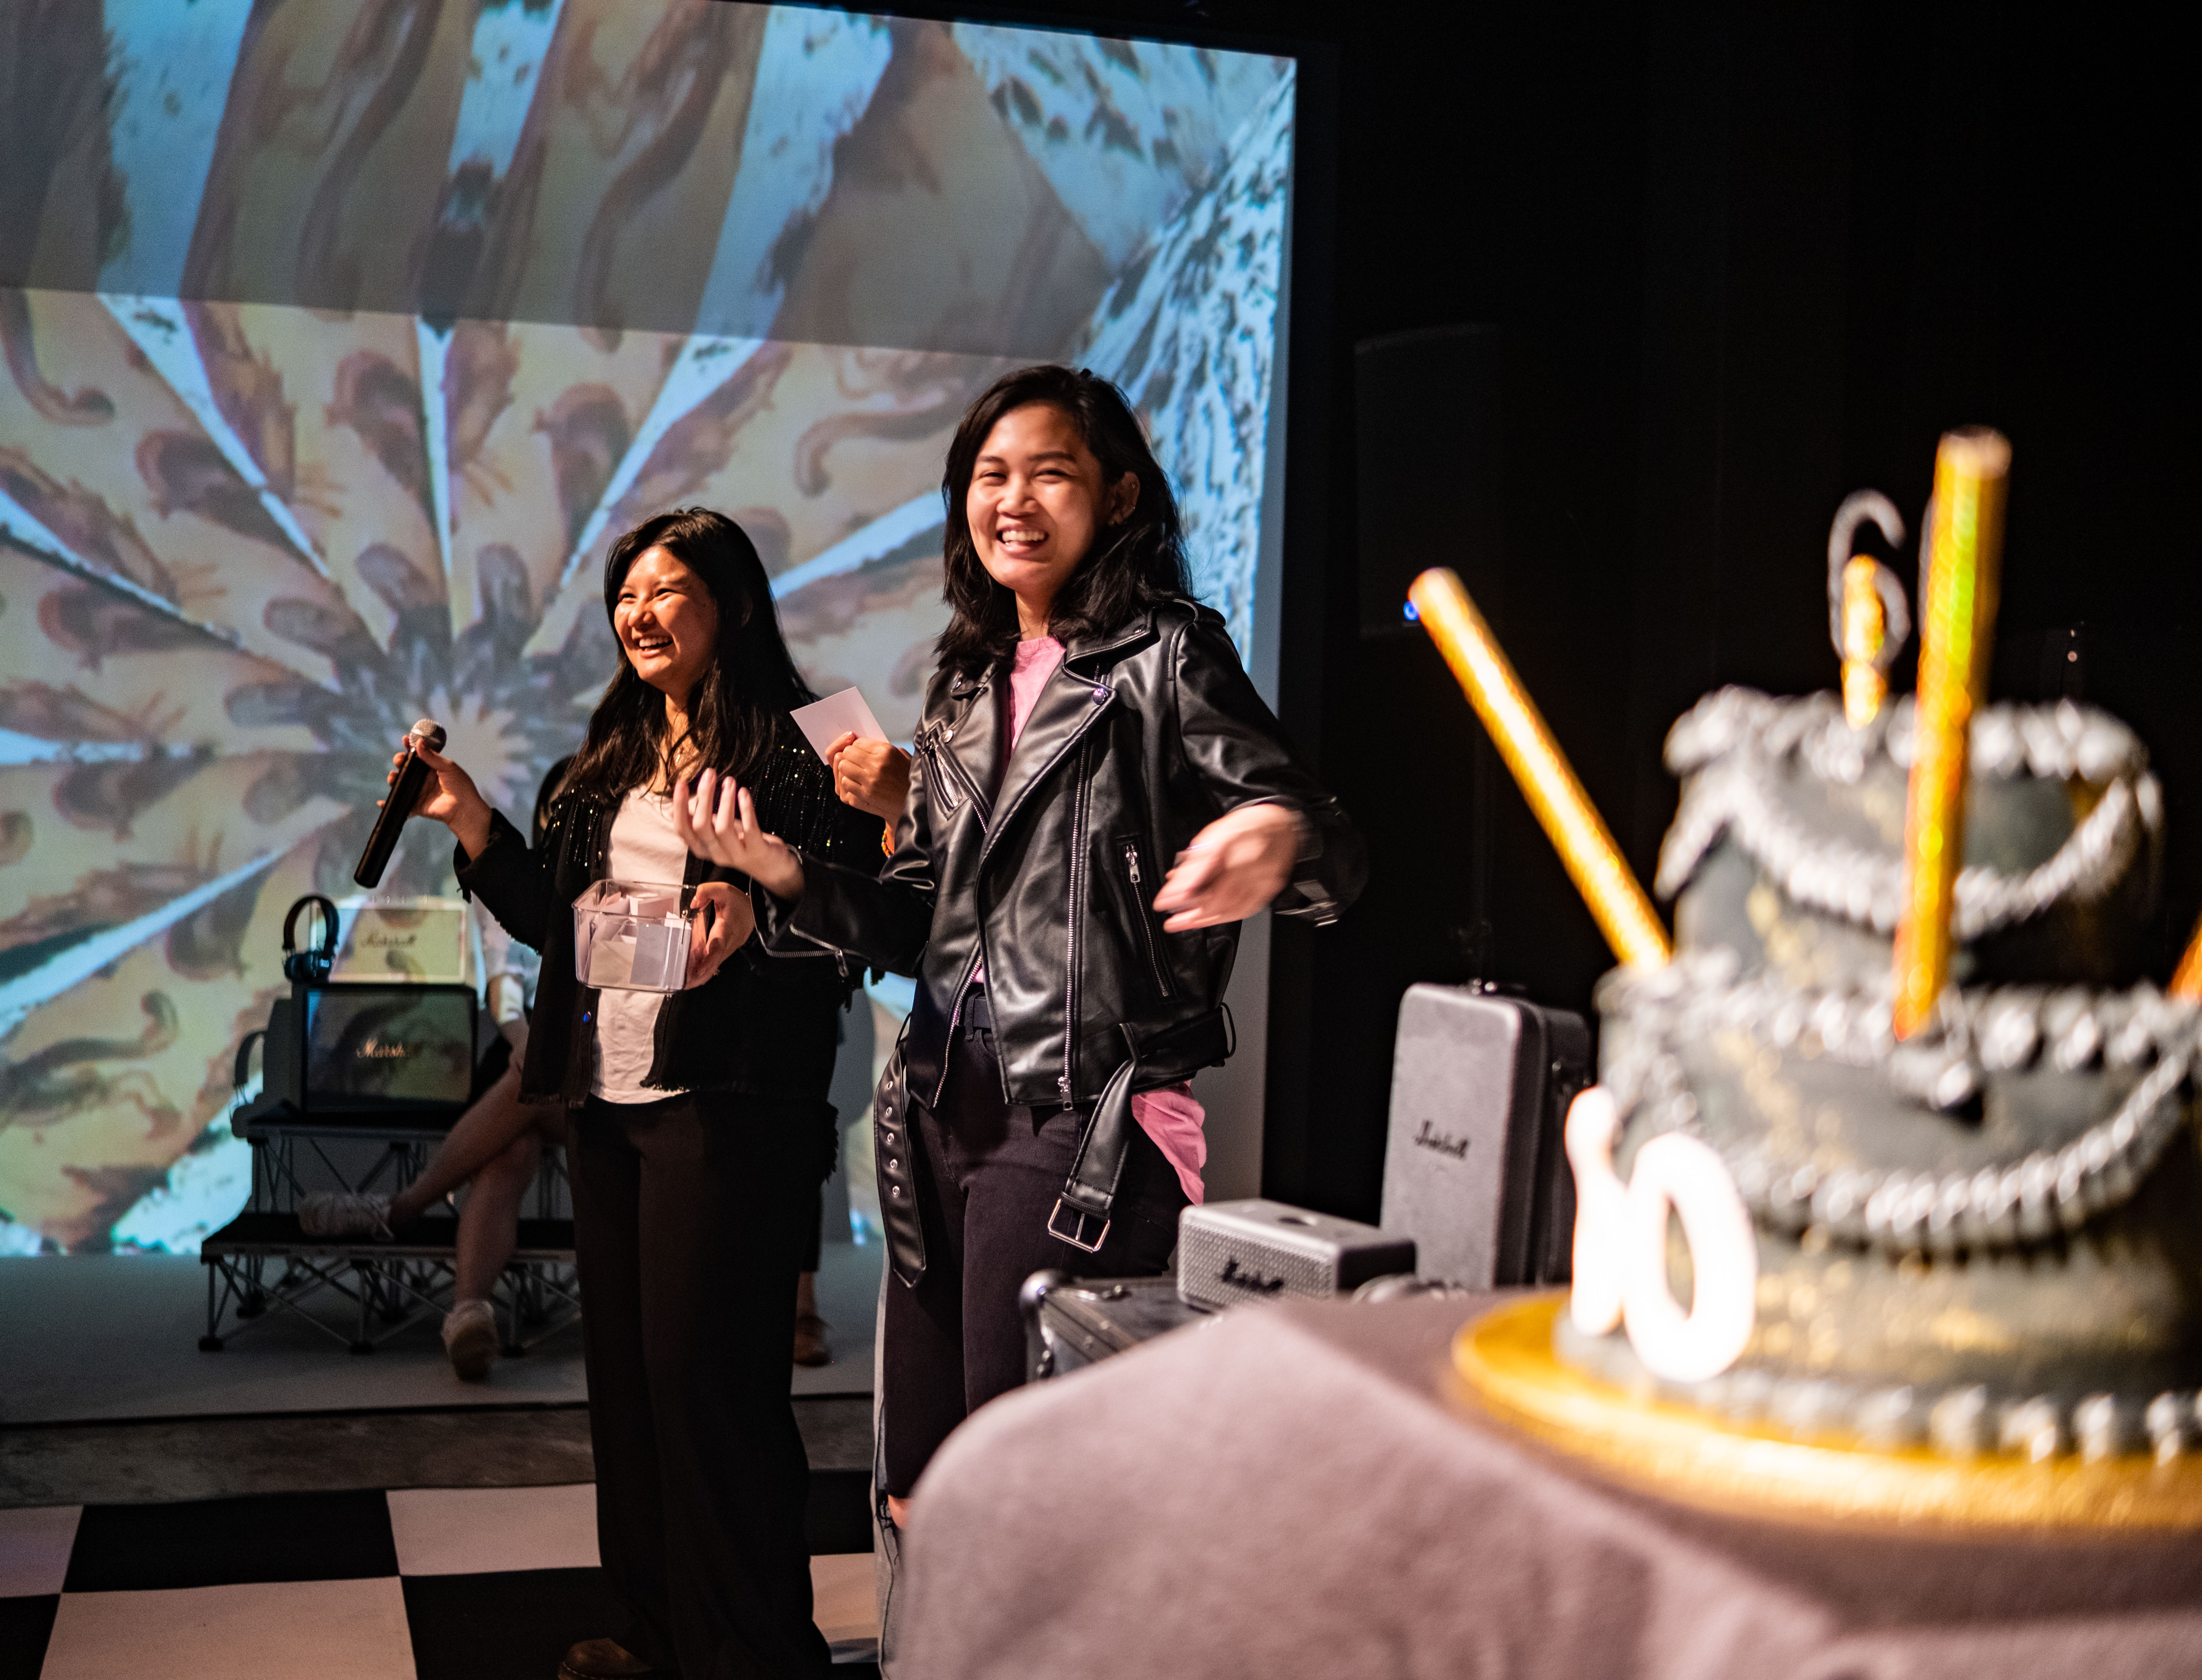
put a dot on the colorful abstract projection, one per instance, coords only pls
(343, 335)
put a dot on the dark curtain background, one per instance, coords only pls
(1740, 259)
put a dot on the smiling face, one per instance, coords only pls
(1036, 499)
(667, 621)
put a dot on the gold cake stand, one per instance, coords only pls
(1505, 1357)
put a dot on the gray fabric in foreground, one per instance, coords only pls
(1300, 1490)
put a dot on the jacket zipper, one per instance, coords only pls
(948, 768)
(1140, 919)
(1080, 875)
(951, 787)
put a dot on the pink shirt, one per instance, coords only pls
(1172, 1116)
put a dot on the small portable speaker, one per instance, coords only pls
(1255, 1250)
(1475, 1169)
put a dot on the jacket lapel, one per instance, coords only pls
(1076, 696)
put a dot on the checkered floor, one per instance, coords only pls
(416, 1584)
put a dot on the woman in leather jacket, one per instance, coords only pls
(699, 1127)
(1098, 798)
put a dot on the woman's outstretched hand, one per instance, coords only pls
(1233, 868)
(723, 922)
(449, 796)
(718, 820)
(871, 775)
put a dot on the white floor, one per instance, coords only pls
(103, 1337)
(279, 1631)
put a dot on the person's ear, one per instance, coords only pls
(1123, 498)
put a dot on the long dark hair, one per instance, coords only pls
(1133, 564)
(734, 709)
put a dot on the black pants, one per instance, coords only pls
(987, 1175)
(686, 1231)
(812, 1241)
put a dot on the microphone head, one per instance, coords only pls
(428, 733)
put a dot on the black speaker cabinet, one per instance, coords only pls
(354, 1050)
(1474, 1169)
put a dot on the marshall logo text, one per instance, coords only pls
(1430, 1138)
(1233, 1272)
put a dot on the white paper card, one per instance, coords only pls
(825, 721)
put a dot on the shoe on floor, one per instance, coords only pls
(606, 1659)
(470, 1339)
(810, 1348)
(328, 1213)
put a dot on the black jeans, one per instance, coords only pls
(686, 1226)
(987, 1176)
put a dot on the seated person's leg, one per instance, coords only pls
(478, 1136)
(495, 1121)
(489, 1224)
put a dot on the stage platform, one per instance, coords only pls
(111, 1336)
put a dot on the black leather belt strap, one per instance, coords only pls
(1090, 1192)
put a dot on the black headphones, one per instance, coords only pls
(312, 967)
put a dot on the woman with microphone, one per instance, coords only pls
(699, 1122)
(1098, 797)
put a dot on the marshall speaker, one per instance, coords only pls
(352, 1051)
(1256, 1250)
(1475, 1170)
(356, 1051)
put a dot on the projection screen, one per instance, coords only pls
(342, 336)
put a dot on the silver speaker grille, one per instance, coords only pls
(1216, 1269)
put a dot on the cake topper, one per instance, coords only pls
(1868, 619)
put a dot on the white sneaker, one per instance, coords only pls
(470, 1339)
(344, 1213)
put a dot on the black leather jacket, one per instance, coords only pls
(762, 1025)
(1048, 869)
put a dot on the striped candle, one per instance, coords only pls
(1548, 781)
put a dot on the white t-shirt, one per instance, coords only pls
(644, 848)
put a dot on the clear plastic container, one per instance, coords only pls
(633, 935)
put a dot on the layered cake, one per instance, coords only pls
(1984, 1239)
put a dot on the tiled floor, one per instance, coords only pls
(421, 1583)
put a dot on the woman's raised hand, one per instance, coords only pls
(871, 775)
(1233, 868)
(722, 921)
(718, 820)
(449, 796)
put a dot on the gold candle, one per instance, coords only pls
(1972, 470)
(1865, 632)
(1586, 846)
(2186, 978)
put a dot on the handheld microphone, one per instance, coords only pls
(398, 805)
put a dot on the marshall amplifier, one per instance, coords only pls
(1475, 1169)
(1256, 1250)
(356, 1051)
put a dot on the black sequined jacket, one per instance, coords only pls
(763, 1025)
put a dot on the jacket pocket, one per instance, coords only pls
(945, 775)
(1139, 884)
